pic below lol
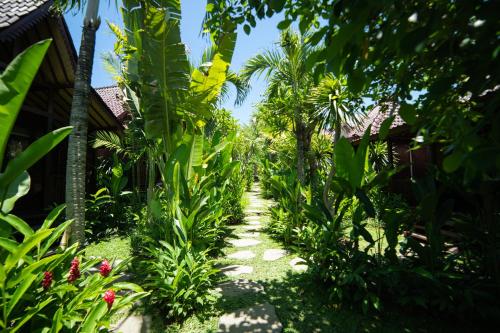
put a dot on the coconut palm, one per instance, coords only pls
(77, 144)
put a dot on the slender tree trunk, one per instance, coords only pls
(326, 200)
(311, 160)
(299, 136)
(77, 145)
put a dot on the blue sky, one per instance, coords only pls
(262, 37)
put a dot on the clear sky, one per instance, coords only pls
(262, 37)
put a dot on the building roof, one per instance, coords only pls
(25, 22)
(113, 97)
(376, 117)
(18, 14)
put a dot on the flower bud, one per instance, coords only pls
(74, 270)
(109, 297)
(105, 268)
(47, 280)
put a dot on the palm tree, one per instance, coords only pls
(77, 145)
(289, 82)
(338, 110)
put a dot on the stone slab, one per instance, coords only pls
(242, 255)
(238, 288)
(259, 318)
(273, 254)
(298, 264)
(248, 234)
(254, 211)
(244, 242)
(134, 324)
(252, 227)
(253, 223)
(234, 270)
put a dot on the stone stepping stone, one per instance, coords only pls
(298, 264)
(259, 318)
(252, 227)
(234, 270)
(244, 242)
(253, 223)
(238, 288)
(134, 324)
(254, 211)
(273, 254)
(257, 204)
(248, 234)
(253, 218)
(241, 255)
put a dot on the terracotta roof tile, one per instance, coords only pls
(113, 97)
(375, 118)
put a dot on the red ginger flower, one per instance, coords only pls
(109, 297)
(105, 268)
(74, 270)
(47, 280)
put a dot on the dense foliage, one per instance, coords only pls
(41, 290)
(174, 181)
(437, 62)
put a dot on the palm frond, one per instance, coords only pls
(266, 63)
(108, 140)
(242, 87)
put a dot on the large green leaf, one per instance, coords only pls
(28, 244)
(57, 232)
(18, 224)
(164, 66)
(20, 290)
(210, 84)
(94, 316)
(360, 163)
(15, 82)
(8, 244)
(343, 158)
(53, 215)
(32, 154)
(195, 154)
(16, 190)
(26, 316)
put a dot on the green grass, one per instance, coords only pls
(109, 248)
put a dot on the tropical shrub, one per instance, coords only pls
(447, 93)
(40, 290)
(232, 197)
(180, 279)
(46, 289)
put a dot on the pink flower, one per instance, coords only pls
(109, 297)
(47, 280)
(74, 270)
(105, 268)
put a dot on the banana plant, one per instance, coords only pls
(173, 100)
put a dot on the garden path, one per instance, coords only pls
(254, 258)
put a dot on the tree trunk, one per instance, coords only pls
(311, 160)
(300, 144)
(77, 145)
(326, 200)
